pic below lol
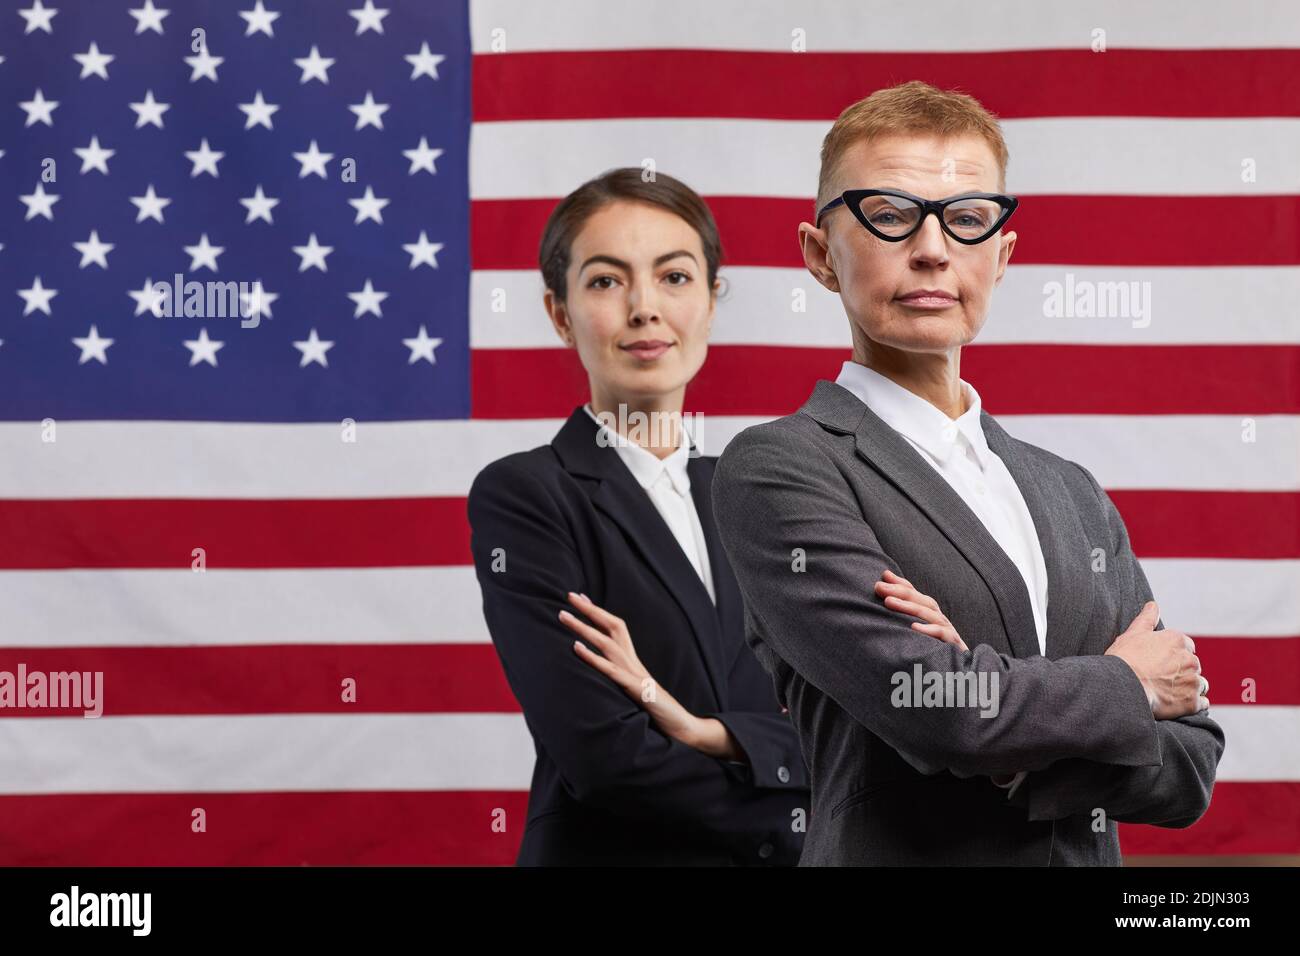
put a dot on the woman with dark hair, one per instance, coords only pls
(660, 739)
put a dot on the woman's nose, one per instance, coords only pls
(929, 244)
(642, 305)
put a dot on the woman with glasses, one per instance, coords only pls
(659, 737)
(1054, 704)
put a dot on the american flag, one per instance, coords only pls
(253, 524)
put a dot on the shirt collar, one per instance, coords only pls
(644, 465)
(913, 416)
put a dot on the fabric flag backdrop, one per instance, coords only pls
(254, 526)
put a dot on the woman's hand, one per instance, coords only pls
(618, 661)
(899, 595)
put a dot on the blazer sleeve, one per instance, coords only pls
(778, 494)
(1174, 793)
(757, 721)
(607, 750)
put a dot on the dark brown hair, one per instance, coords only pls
(628, 183)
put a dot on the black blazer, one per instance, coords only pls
(608, 786)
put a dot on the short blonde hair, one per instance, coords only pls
(912, 107)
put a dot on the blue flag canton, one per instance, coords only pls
(287, 242)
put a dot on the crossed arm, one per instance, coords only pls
(1081, 726)
(1174, 794)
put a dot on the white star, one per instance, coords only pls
(150, 205)
(369, 18)
(422, 157)
(148, 17)
(422, 347)
(259, 112)
(204, 255)
(94, 156)
(203, 349)
(39, 109)
(313, 254)
(313, 161)
(313, 349)
(259, 206)
(367, 300)
(93, 62)
(37, 297)
(92, 250)
(369, 207)
(38, 17)
(313, 66)
(369, 113)
(422, 251)
(204, 64)
(92, 347)
(425, 63)
(149, 111)
(259, 20)
(205, 159)
(149, 298)
(257, 301)
(39, 203)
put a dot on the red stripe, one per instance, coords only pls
(602, 84)
(1244, 670)
(312, 533)
(234, 533)
(1012, 380)
(393, 828)
(279, 679)
(1052, 230)
(1243, 818)
(54, 533)
(1211, 524)
(388, 828)
(442, 678)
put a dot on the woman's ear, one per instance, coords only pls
(815, 245)
(559, 316)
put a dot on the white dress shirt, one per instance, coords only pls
(957, 450)
(668, 484)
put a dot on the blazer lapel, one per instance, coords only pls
(625, 502)
(890, 453)
(729, 611)
(1061, 536)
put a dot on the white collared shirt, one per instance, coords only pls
(668, 484)
(957, 450)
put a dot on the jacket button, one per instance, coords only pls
(783, 774)
(766, 850)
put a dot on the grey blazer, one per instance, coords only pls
(811, 509)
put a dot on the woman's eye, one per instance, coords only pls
(685, 278)
(595, 283)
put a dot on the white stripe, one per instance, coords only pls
(242, 460)
(402, 459)
(1226, 598)
(259, 753)
(444, 605)
(888, 26)
(1260, 743)
(317, 752)
(84, 608)
(779, 158)
(1173, 306)
(1183, 452)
